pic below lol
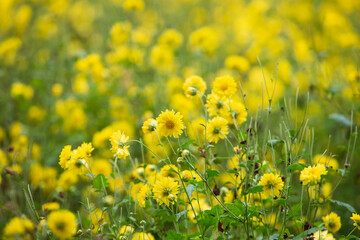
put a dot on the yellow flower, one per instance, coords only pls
(272, 183)
(162, 58)
(356, 218)
(194, 85)
(171, 38)
(323, 235)
(118, 145)
(50, 206)
(186, 175)
(217, 129)
(224, 86)
(149, 126)
(57, 89)
(312, 174)
(237, 62)
(65, 156)
(66, 180)
(125, 230)
(238, 113)
(169, 171)
(98, 218)
(62, 223)
(332, 222)
(143, 195)
(165, 190)
(18, 228)
(326, 160)
(142, 236)
(170, 124)
(217, 105)
(132, 5)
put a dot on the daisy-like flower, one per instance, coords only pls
(62, 223)
(238, 113)
(332, 222)
(217, 129)
(216, 105)
(118, 145)
(144, 194)
(84, 151)
(356, 218)
(149, 126)
(165, 190)
(169, 171)
(170, 124)
(125, 230)
(142, 236)
(323, 235)
(272, 183)
(50, 206)
(312, 174)
(224, 86)
(194, 85)
(65, 156)
(186, 175)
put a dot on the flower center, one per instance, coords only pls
(219, 104)
(217, 130)
(60, 226)
(167, 191)
(170, 124)
(224, 87)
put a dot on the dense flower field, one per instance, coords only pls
(179, 119)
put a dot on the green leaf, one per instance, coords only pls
(275, 236)
(281, 201)
(100, 182)
(187, 144)
(172, 235)
(297, 166)
(232, 171)
(237, 208)
(345, 205)
(180, 214)
(255, 189)
(212, 173)
(189, 190)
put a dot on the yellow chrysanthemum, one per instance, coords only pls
(217, 128)
(356, 218)
(142, 236)
(238, 113)
(323, 235)
(170, 124)
(165, 190)
(144, 194)
(169, 171)
(149, 126)
(332, 222)
(224, 86)
(125, 230)
(312, 174)
(18, 228)
(194, 85)
(62, 223)
(217, 105)
(118, 145)
(50, 206)
(65, 156)
(272, 183)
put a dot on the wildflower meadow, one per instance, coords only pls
(179, 119)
